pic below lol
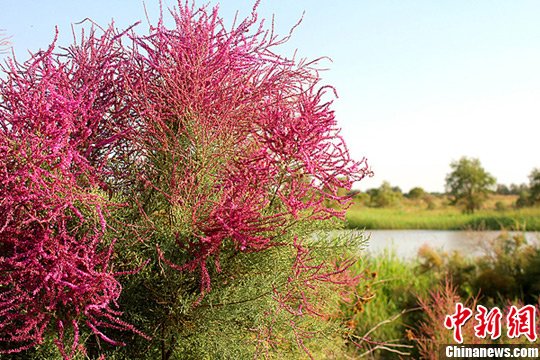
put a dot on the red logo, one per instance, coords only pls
(518, 322)
(522, 322)
(488, 322)
(457, 320)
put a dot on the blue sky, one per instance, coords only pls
(420, 83)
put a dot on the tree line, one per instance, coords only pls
(468, 185)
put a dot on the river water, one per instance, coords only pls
(407, 242)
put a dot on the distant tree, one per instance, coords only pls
(385, 195)
(468, 184)
(502, 189)
(416, 193)
(529, 195)
(518, 189)
(534, 186)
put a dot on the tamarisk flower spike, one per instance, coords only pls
(240, 136)
(59, 115)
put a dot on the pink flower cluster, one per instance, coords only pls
(223, 106)
(55, 260)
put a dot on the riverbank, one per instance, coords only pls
(527, 219)
(404, 302)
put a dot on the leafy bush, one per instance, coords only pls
(385, 196)
(500, 206)
(416, 193)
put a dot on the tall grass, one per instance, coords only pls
(385, 306)
(442, 219)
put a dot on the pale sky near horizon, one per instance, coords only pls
(421, 83)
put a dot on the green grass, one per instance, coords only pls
(387, 302)
(442, 219)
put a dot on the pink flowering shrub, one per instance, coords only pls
(192, 145)
(55, 260)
